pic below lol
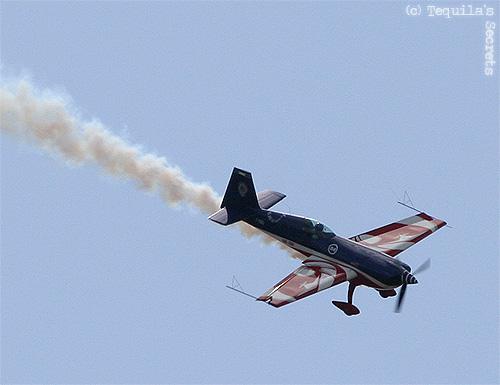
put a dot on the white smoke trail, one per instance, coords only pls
(48, 120)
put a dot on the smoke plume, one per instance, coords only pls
(49, 121)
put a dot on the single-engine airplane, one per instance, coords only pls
(328, 259)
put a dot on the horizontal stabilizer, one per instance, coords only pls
(265, 198)
(220, 217)
(268, 198)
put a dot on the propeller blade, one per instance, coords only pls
(400, 298)
(424, 266)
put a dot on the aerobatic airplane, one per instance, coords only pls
(328, 259)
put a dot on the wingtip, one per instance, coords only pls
(441, 223)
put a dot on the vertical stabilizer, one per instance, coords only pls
(240, 199)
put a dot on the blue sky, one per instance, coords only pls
(340, 105)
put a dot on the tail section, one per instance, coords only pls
(240, 200)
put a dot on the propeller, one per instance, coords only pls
(424, 266)
(410, 279)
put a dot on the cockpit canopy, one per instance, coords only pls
(319, 227)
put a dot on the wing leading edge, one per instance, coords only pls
(396, 237)
(311, 277)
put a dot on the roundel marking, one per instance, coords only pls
(332, 249)
(242, 189)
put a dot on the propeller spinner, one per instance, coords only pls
(409, 279)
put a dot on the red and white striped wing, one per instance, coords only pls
(311, 277)
(396, 237)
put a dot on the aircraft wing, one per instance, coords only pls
(396, 237)
(311, 277)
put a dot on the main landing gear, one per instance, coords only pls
(347, 307)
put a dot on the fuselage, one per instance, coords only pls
(311, 237)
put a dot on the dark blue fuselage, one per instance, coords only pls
(312, 237)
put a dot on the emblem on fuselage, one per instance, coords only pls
(332, 249)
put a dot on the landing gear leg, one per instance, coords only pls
(347, 307)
